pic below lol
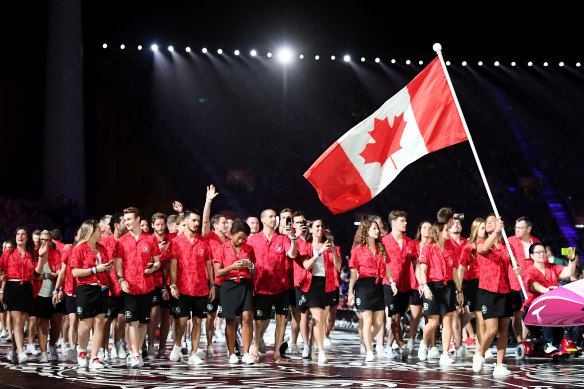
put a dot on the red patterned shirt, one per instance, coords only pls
(439, 262)
(225, 255)
(329, 269)
(523, 261)
(367, 264)
(83, 257)
(215, 242)
(271, 262)
(493, 265)
(159, 280)
(16, 267)
(471, 265)
(400, 261)
(548, 278)
(191, 271)
(109, 243)
(136, 256)
(70, 283)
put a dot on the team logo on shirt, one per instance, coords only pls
(484, 309)
(146, 249)
(202, 251)
(358, 301)
(279, 249)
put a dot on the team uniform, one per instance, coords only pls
(214, 242)
(18, 273)
(159, 280)
(493, 293)
(400, 261)
(438, 275)
(191, 275)
(369, 284)
(236, 287)
(43, 289)
(470, 285)
(415, 298)
(524, 261)
(318, 285)
(136, 257)
(116, 297)
(299, 275)
(271, 284)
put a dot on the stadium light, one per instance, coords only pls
(347, 58)
(285, 56)
(154, 47)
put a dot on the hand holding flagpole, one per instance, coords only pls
(438, 49)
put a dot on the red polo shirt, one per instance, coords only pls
(471, 265)
(329, 269)
(523, 261)
(215, 242)
(546, 279)
(297, 265)
(159, 280)
(367, 264)
(83, 257)
(191, 270)
(226, 256)
(109, 243)
(493, 265)
(136, 256)
(70, 283)
(439, 262)
(400, 261)
(16, 267)
(271, 262)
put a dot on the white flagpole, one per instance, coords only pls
(438, 49)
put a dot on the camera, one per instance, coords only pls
(459, 216)
(302, 222)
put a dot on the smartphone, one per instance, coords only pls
(568, 251)
(150, 265)
(111, 262)
(288, 220)
(329, 239)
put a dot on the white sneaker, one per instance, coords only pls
(488, 355)
(200, 353)
(262, 346)
(30, 348)
(362, 349)
(434, 353)
(370, 357)
(8, 338)
(106, 354)
(404, 352)
(195, 360)
(322, 359)
(71, 355)
(3, 334)
(210, 352)
(327, 344)
(446, 360)
(136, 362)
(100, 356)
(95, 364)
(11, 356)
(233, 359)
(54, 353)
(423, 352)
(550, 348)
(410, 346)
(501, 370)
(306, 351)
(247, 359)
(176, 354)
(388, 353)
(294, 349)
(313, 353)
(22, 357)
(122, 354)
(82, 358)
(477, 363)
(114, 352)
(44, 358)
(129, 358)
(64, 349)
(151, 353)
(462, 352)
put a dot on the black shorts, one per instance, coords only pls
(213, 305)
(42, 307)
(516, 297)
(300, 299)
(453, 300)
(292, 297)
(137, 307)
(236, 298)
(494, 305)
(158, 300)
(441, 302)
(61, 307)
(18, 297)
(470, 290)
(415, 298)
(186, 305)
(263, 305)
(333, 297)
(369, 295)
(316, 297)
(90, 301)
(70, 304)
(397, 304)
(115, 306)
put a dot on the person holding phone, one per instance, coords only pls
(90, 264)
(137, 257)
(320, 258)
(234, 264)
(367, 263)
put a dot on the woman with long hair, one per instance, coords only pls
(437, 271)
(320, 259)
(19, 271)
(90, 265)
(493, 294)
(367, 263)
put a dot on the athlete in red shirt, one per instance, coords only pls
(190, 268)
(298, 307)
(137, 257)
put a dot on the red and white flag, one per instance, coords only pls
(419, 119)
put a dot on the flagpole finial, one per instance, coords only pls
(437, 48)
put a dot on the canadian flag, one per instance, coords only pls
(419, 119)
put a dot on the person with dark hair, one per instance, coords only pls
(4, 322)
(115, 309)
(540, 278)
(57, 237)
(367, 263)
(234, 263)
(437, 264)
(493, 294)
(319, 258)
(520, 243)
(90, 265)
(401, 256)
(423, 237)
(190, 270)
(137, 257)
(445, 215)
(300, 324)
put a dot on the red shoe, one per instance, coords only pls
(470, 341)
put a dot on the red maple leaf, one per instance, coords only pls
(387, 139)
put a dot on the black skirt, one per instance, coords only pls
(369, 295)
(18, 297)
